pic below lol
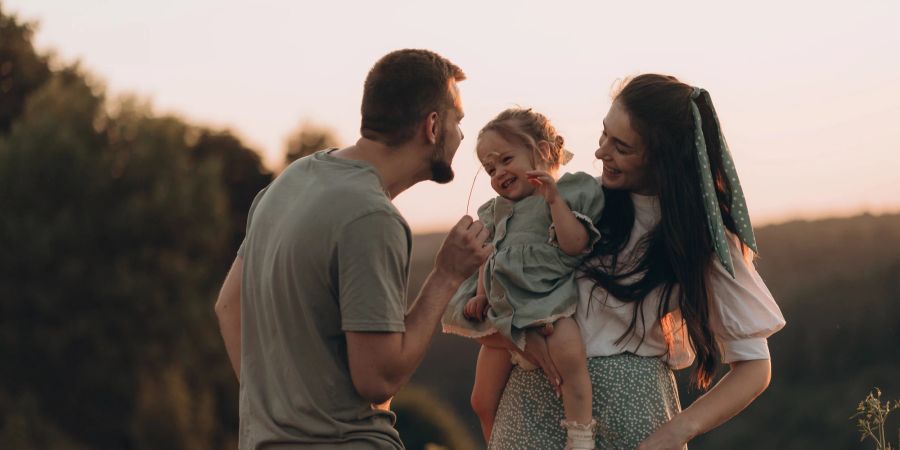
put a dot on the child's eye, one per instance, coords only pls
(507, 159)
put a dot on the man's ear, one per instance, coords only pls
(431, 124)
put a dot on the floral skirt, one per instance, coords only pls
(633, 396)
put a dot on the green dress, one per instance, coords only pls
(528, 280)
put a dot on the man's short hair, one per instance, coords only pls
(401, 89)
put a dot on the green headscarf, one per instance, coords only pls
(739, 213)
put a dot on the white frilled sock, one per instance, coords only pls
(579, 436)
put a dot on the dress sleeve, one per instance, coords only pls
(743, 313)
(486, 216)
(584, 195)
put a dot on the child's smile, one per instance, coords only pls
(506, 163)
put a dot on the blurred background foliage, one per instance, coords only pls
(117, 225)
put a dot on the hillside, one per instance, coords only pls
(838, 284)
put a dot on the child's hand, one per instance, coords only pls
(476, 308)
(545, 185)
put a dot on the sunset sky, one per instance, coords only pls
(808, 93)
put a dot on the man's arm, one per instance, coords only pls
(228, 311)
(381, 363)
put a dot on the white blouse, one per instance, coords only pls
(742, 313)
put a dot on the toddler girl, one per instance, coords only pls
(541, 229)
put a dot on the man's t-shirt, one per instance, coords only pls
(326, 252)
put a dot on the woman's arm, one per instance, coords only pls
(734, 392)
(570, 232)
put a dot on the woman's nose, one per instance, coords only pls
(600, 153)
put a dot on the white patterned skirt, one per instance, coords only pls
(632, 396)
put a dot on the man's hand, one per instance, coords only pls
(476, 308)
(464, 250)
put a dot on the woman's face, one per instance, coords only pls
(623, 154)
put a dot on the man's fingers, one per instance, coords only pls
(464, 221)
(482, 235)
(476, 227)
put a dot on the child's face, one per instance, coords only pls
(506, 164)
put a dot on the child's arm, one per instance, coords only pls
(479, 290)
(570, 232)
(477, 306)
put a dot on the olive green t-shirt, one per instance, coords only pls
(325, 252)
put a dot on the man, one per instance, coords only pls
(313, 311)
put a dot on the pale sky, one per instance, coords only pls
(808, 93)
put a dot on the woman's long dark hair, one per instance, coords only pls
(678, 251)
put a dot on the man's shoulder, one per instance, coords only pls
(348, 189)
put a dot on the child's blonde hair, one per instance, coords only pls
(529, 128)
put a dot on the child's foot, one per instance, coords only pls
(545, 330)
(579, 436)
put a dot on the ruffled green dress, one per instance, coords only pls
(528, 280)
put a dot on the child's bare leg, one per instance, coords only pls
(491, 374)
(567, 352)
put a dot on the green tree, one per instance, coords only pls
(423, 421)
(242, 176)
(22, 70)
(109, 234)
(307, 139)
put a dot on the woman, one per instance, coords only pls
(672, 281)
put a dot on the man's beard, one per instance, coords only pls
(441, 172)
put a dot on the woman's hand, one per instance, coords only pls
(537, 353)
(670, 436)
(476, 308)
(545, 184)
(743, 383)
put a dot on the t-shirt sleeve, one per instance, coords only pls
(584, 195)
(253, 205)
(373, 270)
(743, 313)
